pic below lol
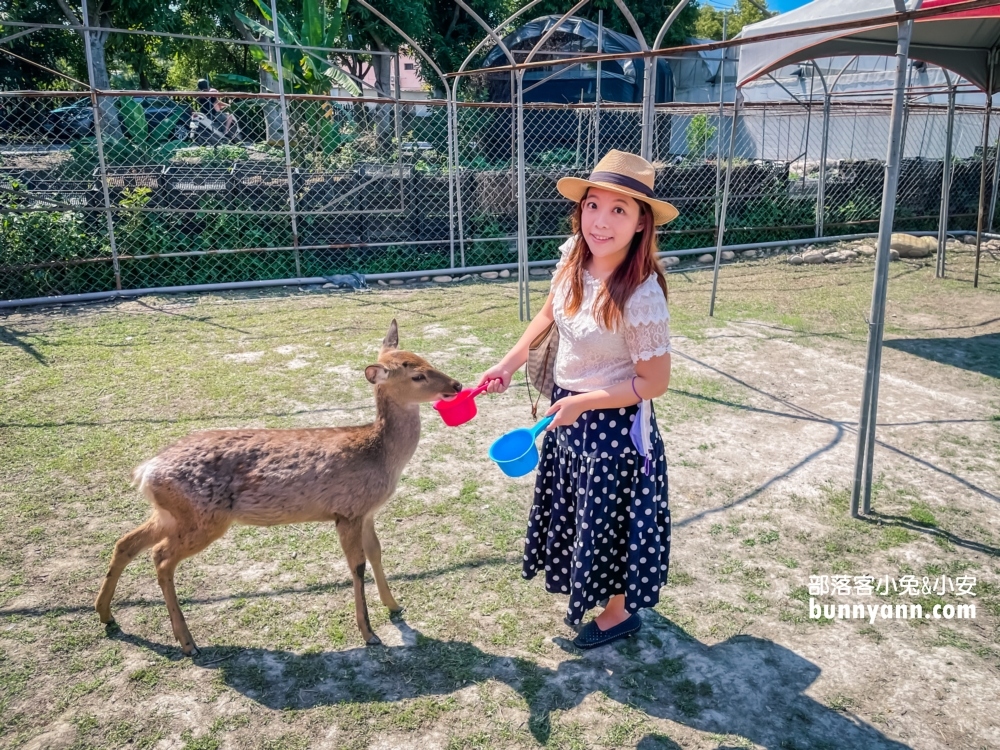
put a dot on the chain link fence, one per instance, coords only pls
(151, 196)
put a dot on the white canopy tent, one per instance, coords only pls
(964, 42)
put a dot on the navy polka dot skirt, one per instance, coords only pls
(599, 526)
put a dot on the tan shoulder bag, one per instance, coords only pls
(540, 368)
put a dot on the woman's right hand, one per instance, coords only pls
(498, 377)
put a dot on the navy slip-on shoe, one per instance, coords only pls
(592, 636)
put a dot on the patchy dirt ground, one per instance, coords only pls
(760, 432)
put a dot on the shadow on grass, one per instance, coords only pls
(905, 522)
(976, 353)
(745, 686)
(316, 588)
(10, 337)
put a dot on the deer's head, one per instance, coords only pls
(407, 377)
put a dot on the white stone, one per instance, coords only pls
(442, 279)
(328, 285)
(396, 282)
(425, 278)
(489, 275)
(848, 254)
(834, 257)
(749, 254)
(671, 260)
(728, 255)
(505, 274)
(796, 260)
(706, 258)
(865, 250)
(382, 282)
(538, 272)
(814, 257)
(466, 277)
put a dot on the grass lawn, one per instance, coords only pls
(759, 425)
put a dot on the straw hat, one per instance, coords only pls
(623, 173)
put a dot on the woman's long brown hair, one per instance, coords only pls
(641, 261)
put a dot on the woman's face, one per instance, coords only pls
(608, 221)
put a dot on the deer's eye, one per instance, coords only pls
(418, 378)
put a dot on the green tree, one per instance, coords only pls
(709, 21)
(307, 71)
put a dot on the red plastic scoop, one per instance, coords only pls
(461, 408)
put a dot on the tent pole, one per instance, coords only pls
(721, 129)
(721, 229)
(996, 177)
(946, 174)
(861, 489)
(597, 88)
(522, 208)
(982, 173)
(821, 188)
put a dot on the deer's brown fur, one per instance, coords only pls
(207, 481)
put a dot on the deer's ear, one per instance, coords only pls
(376, 374)
(391, 340)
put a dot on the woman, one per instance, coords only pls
(599, 526)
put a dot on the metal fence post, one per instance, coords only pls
(524, 307)
(996, 179)
(862, 487)
(597, 89)
(721, 231)
(982, 176)
(95, 106)
(279, 67)
(821, 187)
(946, 174)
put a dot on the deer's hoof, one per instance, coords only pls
(397, 613)
(111, 628)
(191, 651)
(374, 640)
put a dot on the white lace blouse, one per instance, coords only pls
(590, 357)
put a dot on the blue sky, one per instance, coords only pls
(782, 5)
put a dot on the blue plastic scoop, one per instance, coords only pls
(515, 453)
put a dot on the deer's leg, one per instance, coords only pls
(126, 550)
(166, 555)
(373, 551)
(350, 532)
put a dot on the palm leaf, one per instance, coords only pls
(254, 26)
(133, 118)
(343, 80)
(336, 23)
(165, 130)
(232, 79)
(313, 12)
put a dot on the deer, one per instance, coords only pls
(211, 479)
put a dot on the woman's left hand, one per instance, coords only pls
(567, 411)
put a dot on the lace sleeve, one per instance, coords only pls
(647, 322)
(564, 249)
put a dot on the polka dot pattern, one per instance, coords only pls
(598, 526)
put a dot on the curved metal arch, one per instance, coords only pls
(633, 25)
(490, 33)
(451, 133)
(649, 84)
(548, 34)
(833, 86)
(416, 47)
(669, 22)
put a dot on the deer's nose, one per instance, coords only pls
(456, 385)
